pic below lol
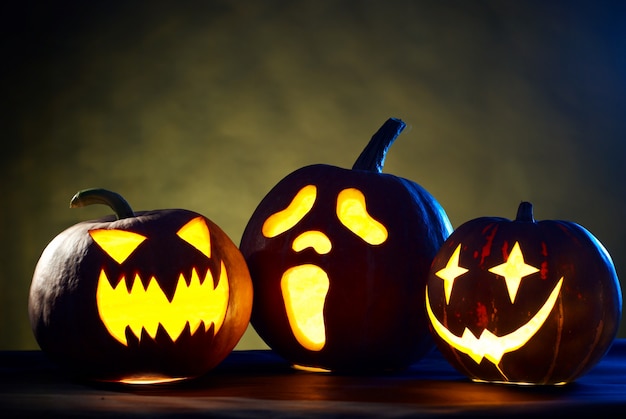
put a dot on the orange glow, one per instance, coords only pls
(315, 239)
(513, 270)
(118, 244)
(488, 345)
(309, 369)
(353, 214)
(451, 272)
(148, 379)
(144, 309)
(304, 289)
(284, 220)
(196, 233)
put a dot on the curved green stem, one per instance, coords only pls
(372, 158)
(525, 212)
(102, 196)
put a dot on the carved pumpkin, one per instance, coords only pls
(339, 260)
(139, 297)
(523, 301)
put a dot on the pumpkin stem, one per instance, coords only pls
(525, 212)
(102, 196)
(372, 158)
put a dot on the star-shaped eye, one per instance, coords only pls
(451, 272)
(513, 270)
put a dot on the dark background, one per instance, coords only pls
(206, 105)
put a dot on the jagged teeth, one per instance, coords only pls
(146, 308)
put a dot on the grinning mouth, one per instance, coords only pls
(304, 290)
(488, 345)
(145, 308)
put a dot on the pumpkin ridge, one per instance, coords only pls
(584, 313)
(381, 233)
(177, 315)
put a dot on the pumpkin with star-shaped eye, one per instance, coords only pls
(339, 260)
(140, 297)
(523, 301)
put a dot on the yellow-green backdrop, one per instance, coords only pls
(206, 105)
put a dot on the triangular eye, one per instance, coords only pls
(118, 244)
(196, 233)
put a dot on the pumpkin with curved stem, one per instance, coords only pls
(339, 260)
(523, 301)
(139, 297)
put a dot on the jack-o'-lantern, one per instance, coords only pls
(522, 301)
(339, 260)
(140, 297)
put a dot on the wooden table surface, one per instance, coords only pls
(260, 384)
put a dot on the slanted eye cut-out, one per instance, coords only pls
(353, 214)
(118, 244)
(196, 233)
(284, 220)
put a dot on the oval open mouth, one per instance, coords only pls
(304, 289)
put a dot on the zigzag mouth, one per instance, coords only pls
(488, 345)
(195, 301)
